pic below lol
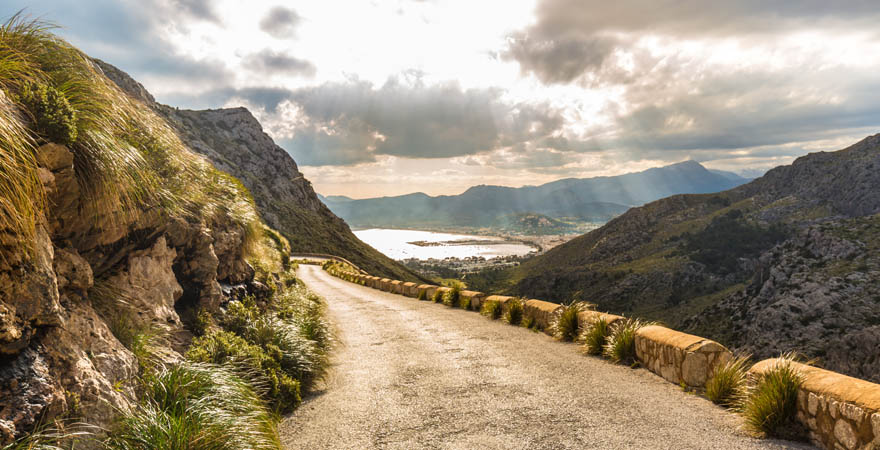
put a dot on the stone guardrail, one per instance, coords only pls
(838, 411)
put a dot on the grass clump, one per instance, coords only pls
(452, 297)
(596, 336)
(423, 294)
(491, 309)
(196, 406)
(727, 385)
(287, 345)
(565, 325)
(771, 403)
(515, 309)
(620, 346)
(437, 297)
(529, 322)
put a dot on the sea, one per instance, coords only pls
(396, 244)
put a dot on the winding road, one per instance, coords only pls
(411, 374)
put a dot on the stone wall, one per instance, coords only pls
(679, 357)
(839, 412)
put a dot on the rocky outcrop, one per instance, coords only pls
(86, 275)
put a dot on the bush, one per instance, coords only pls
(726, 387)
(565, 326)
(620, 346)
(771, 404)
(529, 322)
(224, 347)
(452, 297)
(491, 309)
(514, 314)
(596, 336)
(464, 302)
(423, 294)
(438, 296)
(196, 406)
(54, 118)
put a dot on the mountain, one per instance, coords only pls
(591, 199)
(789, 261)
(234, 141)
(731, 176)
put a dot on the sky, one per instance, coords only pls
(376, 98)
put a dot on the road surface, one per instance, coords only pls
(412, 374)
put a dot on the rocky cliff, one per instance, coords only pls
(126, 232)
(235, 142)
(786, 262)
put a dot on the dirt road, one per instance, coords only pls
(411, 374)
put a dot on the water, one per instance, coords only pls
(396, 244)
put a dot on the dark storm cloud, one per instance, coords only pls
(280, 22)
(273, 62)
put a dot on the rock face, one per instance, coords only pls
(787, 262)
(85, 274)
(234, 141)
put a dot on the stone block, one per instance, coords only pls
(845, 435)
(410, 289)
(812, 403)
(542, 312)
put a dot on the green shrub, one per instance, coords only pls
(596, 336)
(621, 343)
(438, 296)
(203, 322)
(226, 348)
(771, 404)
(54, 118)
(565, 326)
(529, 322)
(726, 387)
(452, 297)
(491, 309)
(464, 302)
(514, 314)
(423, 294)
(196, 406)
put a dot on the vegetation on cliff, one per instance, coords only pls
(118, 243)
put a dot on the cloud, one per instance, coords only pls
(570, 39)
(199, 9)
(272, 62)
(280, 22)
(346, 122)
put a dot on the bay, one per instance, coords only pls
(398, 244)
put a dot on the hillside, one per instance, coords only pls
(234, 142)
(587, 200)
(785, 262)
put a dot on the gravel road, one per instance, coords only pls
(411, 374)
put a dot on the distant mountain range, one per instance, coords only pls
(554, 205)
(789, 261)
